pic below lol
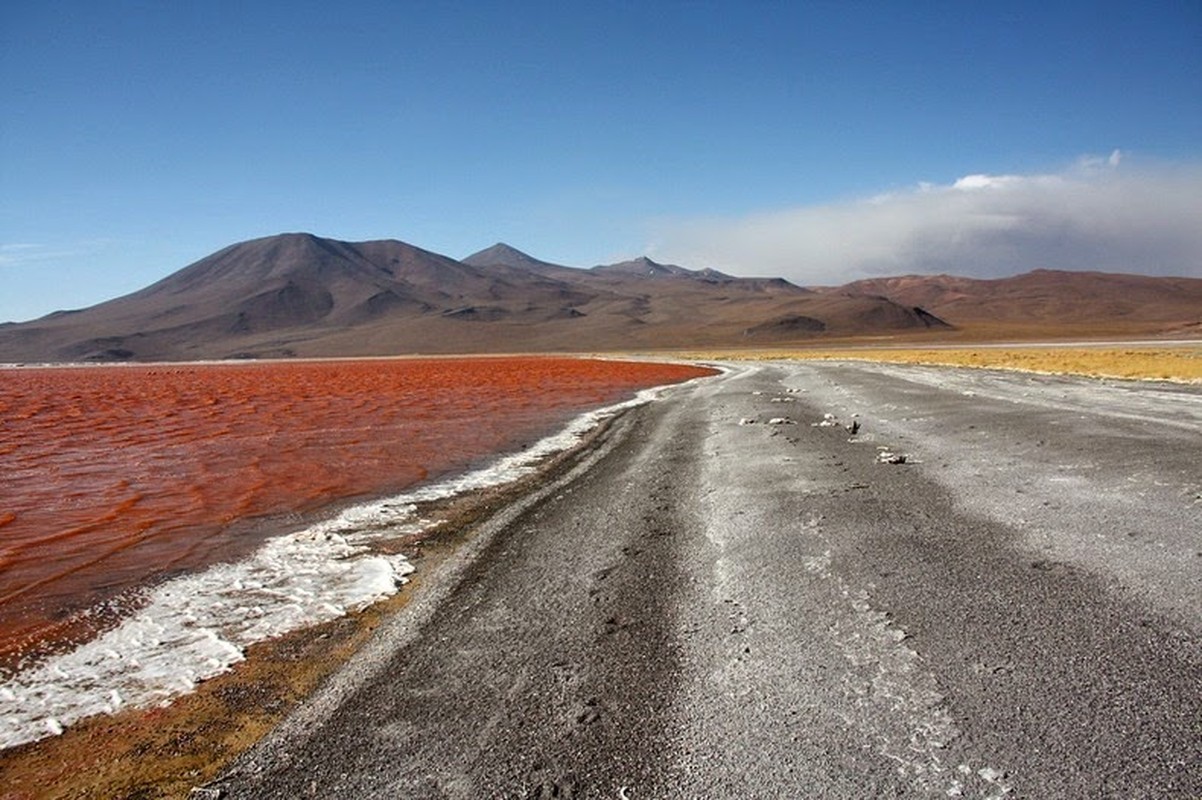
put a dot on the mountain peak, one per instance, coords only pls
(646, 267)
(501, 250)
(504, 255)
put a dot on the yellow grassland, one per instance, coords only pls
(1180, 363)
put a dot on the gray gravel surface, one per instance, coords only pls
(735, 597)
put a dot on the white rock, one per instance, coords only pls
(990, 774)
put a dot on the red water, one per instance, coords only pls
(113, 476)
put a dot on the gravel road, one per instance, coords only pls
(733, 596)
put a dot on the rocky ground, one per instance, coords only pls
(992, 588)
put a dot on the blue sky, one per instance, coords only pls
(819, 141)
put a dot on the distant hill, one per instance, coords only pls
(644, 267)
(300, 295)
(1053, 302)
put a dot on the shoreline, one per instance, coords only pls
(776, 595)
(165, 751)
(185, 622)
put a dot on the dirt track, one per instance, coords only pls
(719, 606)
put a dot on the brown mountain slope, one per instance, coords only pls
(301, 295)
(283, 295)
(1045, 301)
(642, 303)
(643, 267)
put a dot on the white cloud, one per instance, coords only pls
(970, 182)
(20, 254)
(1097, 214)
(17, 252)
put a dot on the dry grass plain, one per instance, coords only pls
(1178, 362)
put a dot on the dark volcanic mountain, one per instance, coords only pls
(301, 295)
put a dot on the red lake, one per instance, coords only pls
(113, 477)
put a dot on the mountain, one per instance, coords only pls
(644, 267)
(301, 295)
(642, 303)
(501, 255)
(1050, 301)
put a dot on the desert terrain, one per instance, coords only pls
(990, 589)
(626, 401)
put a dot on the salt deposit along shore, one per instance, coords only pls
(199, 625)
(735, 595)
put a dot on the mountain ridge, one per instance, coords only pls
(301, 295)
(1043, 298)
